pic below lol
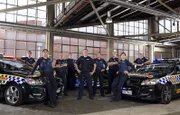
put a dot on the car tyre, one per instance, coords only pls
(166, 94)
(13, 94)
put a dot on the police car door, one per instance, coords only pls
(177, 73)
(1, 71)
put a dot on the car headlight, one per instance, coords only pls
(150, 82)
(31, 81)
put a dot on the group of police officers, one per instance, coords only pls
(87, 69)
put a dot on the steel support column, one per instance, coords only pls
(151, 52)
(110, 43)
(174, 55)
(153, 26)
(49, 35)
(49, 43)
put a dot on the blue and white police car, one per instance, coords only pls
(157, 81)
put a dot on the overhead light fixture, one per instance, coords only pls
(174, 23)
(108, 19)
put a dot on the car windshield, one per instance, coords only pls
(162, 67)
(15, 65)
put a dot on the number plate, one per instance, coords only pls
(127, 92)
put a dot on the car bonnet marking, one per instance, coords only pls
(174, 79)
(4, 78)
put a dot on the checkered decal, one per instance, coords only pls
(174, 79)
(17, 79)
(163, 80)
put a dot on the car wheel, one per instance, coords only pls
(13, 95)
(166, 94)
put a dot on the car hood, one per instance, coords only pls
(146, 75)
(23, 73)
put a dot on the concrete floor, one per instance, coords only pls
(100, 106)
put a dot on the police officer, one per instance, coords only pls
(86, 67)
(140, 61)
(71, 80)
(46, 70)
(29, 59)
(101, 66)
(61, 71)
(113, 68)
(124, 67)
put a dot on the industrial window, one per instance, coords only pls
(168, 26)
(31, 16)
(131, 50)
(77, 45)
(131, 28)
(17, 43)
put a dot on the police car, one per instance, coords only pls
(16, 83)
(158, 81)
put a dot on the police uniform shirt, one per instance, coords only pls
(85, 64)
(28, 60)
(101, 64)
(62, 69)
(70, 64)
(113, 67)
(140, 61)
(45, 66)
(123, 66)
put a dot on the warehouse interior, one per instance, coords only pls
(150, 27)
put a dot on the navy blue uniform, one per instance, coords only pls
(100, 64)
(71, 80)
(140, 61)
(46, 69)
(85, 64)
(112, 72)
(61, 73)
(28, 60)
(120, 79)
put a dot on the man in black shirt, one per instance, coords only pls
(71, 79)
(140, 61)
(46, 70)
(61, 71)
(101, 66)
(113, 68)
(86, 67)
(29, 59)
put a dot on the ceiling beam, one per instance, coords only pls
(152, 35)
(141, 13)
(127, 9)
(92, 13)
(166, 6)
(117, 7)
(64, 17)
(74, 34)
(102, 23)
(33, 5)
(136, 10)
(143, 8)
